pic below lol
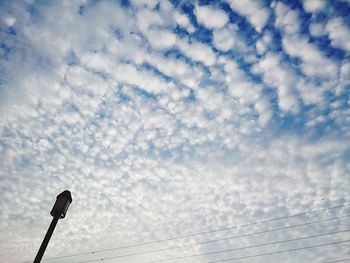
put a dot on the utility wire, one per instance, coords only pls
(279, 252)
(215, 240)
(197, 234)
(338, 260)
(252, 246)
(244, 257)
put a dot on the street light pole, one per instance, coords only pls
(58, 211)
(46, 240)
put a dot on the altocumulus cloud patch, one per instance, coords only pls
(167, 118)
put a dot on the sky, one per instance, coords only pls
(170, 118)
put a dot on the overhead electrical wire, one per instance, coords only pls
(338, 260)
(211, 241)
(208, 232)
(280, 251)
(220, 251)
(252, 246)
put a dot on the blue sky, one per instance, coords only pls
(167, 118)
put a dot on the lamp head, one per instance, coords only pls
(61, 205)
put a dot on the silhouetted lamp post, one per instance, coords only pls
(58, 211)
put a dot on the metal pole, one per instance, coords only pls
(46, 240)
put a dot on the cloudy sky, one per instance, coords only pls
(168, 118)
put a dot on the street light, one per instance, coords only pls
(58, 211)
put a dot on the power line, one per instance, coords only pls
(207, 241)
(279, 252)
(250, 256)
(339, 260)
(214, 240)
(252, 246)
(199, 233)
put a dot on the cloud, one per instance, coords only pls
(160, 39)
(211, 17)
(226, 38)
(9, 21)
(262, 45)
(146, 117)
(183, 21)
(254, 11)
(338, 33)
(276, 75)
(317, 30)
(314, 63)
(198, 52)
(287, 19)
(314, 6)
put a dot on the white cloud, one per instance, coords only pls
(263, 107)
(262, 45)
(146, 128)
(197, 52)
(161, 39)
(149, 23)
(287, 19)
(317, 30)
(339, 33)
(314, 63)
(177, 69)
(254, 12)
(183, 21)
(225, 39)
(144, 4)
(276, 75)
(239, 85)
(147, 18)
(9, 21)
(211, 17)
(314, 6)
(141, 78)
